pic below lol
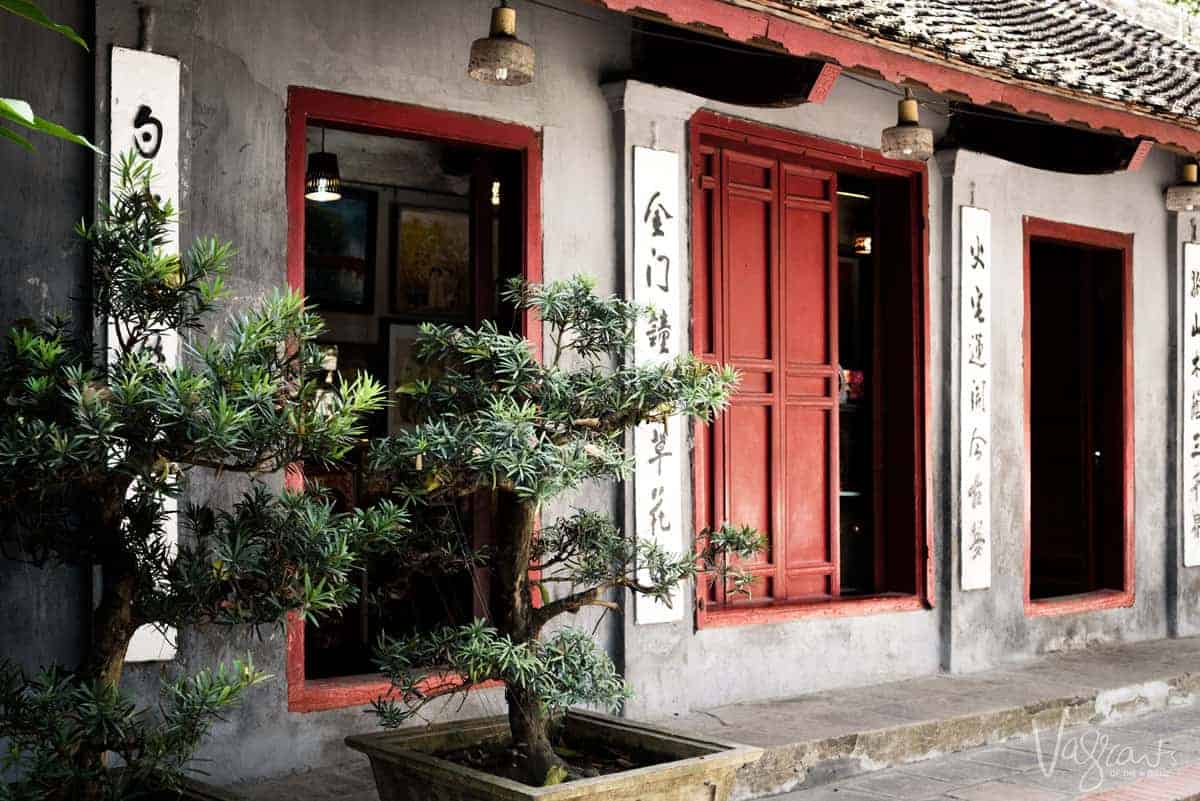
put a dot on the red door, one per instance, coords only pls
(765, 259)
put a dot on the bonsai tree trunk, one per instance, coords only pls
(112, 623)
(527, 717)
(112, 629)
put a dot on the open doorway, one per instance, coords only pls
(424, 230)
(809, 279)
(429, 216)
(1078, 414)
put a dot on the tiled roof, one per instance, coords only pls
(1076, 45)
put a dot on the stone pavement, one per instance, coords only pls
(832, 736)
(1154, 757)
(351, 781)
(964, 737)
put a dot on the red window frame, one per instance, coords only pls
(1067, 233)
(316, 106)
(827, 153)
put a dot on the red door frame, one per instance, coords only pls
(829, 153)
(349, 112)
(1037, 228)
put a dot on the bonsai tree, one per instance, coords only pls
(498, 422)
(93, 444)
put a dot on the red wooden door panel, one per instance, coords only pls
(808, 256)
(751, 431)
(765, 303)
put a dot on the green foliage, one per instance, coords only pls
(269, 556)
(19, 112)
(1191, 6)
(50, 718)
(561, 671)
(495, 420)
(93, 444)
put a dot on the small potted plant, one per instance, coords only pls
(499, 423)
(93, 445)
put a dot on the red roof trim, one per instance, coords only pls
(823, 85)
(896, 63)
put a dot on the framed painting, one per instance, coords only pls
(339, 251)
(432, 275)
(403, 369)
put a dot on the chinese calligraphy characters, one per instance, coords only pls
(659, 452)
(1190, 404)
(975, 400)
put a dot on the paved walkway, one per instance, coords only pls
(941, 738)
(1154, 757)
(834, 736)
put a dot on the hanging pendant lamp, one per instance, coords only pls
(1185, 196)
(322, 182)
(502, 58)
(907, 139)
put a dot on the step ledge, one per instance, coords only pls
(803, 765)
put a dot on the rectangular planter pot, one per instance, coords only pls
(406, 769)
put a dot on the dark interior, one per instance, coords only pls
(1076, 419)
(413, 186)
(877, 410)
(1036, 142)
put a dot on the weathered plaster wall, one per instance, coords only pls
(238, 61)
(42, 271)
(1182, 583)
(989, 626)
(675, 668)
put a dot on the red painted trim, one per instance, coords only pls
(1139, 155)
(827, 154)
(811, 36)
(841, 607)
(349, 112)
(823, 85)
(1036, 228)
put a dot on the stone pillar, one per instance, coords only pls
(655, 655)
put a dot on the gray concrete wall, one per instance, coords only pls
(42, 272)
(238, 61)
(988, 627)
(675, 668)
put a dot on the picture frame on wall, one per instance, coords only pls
(353, 360)
(339, 251)
(431, 269)
(403, 369)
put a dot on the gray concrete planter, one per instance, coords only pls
(406, 770)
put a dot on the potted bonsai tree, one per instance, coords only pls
(94, 444)
(497, 422)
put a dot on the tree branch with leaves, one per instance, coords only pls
(92, 446)
(19, 113)
(497, 423)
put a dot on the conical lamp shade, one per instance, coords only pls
(907, 139)
(502, 58)
(1185, 196)
(322, 182)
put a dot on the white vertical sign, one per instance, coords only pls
(1190, 447)
(975, 398)
(144, 118)
(657, 283)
